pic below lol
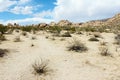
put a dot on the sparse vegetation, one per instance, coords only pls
(97, 35)
(117, 39)
(33, 37)
(32, 45)
(93, 39)
(24, 33)
(66, 34)
(3, 28)
(103, 43)
(17, 39)
(104, 51)
(62, 39)
(41, 68)
(53, 38)
(46, 37)
(3, 52)
(2, 37)
(77, 46)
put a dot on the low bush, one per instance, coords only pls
(66, 34)
(104, 51)
(3, 52)
(93, 39)
(77, 46)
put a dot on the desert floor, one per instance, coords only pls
(63, 64)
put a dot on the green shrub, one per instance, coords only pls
(54, 29)
(3, 28)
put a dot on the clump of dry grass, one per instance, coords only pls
(33, 38)
(117, 39)
(103, 43)
(77, 46)
(17, 39)
(53, 38)
(41, 68)
(97, 35)
(46, 37)
(3, 52)
(2, 37)
(104, 51)
(62, 39)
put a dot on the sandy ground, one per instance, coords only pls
(66, 65)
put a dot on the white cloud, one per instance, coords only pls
(5, 4)
(83, 10)
(44, 14)
(17, 6)
(34, 20)
(22, 10)
(73, 10)
(23, 1)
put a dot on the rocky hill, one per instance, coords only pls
(109, 22)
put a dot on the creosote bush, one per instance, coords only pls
(77, 46)
(66, 34)
(3, 52)
(93, 39)
(41, 68)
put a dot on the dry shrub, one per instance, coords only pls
(62, 39)
(17, 39)
(104, 51)
(103, 43)
(117, 39)
(77, 46)
(41, 68)
(46, 37)
(66, 34)
(2, 37)
(3, 52)
(33, 38)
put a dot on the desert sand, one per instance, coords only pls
(65, 65)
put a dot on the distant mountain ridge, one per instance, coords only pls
(110, 22)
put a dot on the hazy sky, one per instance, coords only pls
(37, 11)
